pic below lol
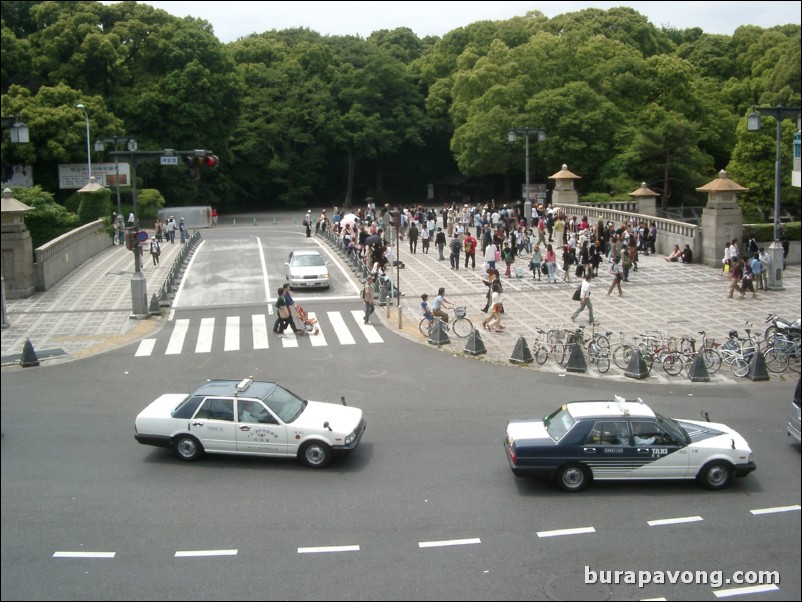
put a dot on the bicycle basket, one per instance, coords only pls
(710, 343)
(459, 312)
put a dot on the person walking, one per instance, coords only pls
(469, 244)
(492, 278)
(308, 223)
(535, 263)
(290, 303)
(155, 251)
(736, 273)
(183, 229)
(413, 237)
(440, 242)
(626, 264)
(490, 256)
(493, 323)
(765, 265)
(455, 246)
(618, 275)
(757, 272)
(584, 299)
(569, 259)
(424, 237)
(282, 314)
(171, 230)
(367, 297)
(508, 258)
(551, 263)
(747, 283)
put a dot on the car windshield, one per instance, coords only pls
(306, 261)
(674, 428)
(285, 404)
(558, 423)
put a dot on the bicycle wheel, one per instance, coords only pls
(712, 360)
(541, 355)
(672, 363)
(462, 327)
(776, 361)
(794, 357)
(603, 363)
(622, 355)
(562, 353)
(771, 331)
(740, 367)
(424, 327)
(603, 344)
(593, 352)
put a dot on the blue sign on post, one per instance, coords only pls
(142, 236)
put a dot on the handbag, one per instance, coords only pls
(498, 308)
(283, 312)
(577, 294)
(580, 270)
(544, 268)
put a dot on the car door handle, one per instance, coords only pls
(589, 450)
(643, 450)
(244, 427)
(197, 424)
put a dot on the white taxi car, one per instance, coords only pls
(619, 439)
(250, 418)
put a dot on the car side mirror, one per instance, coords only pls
(287, 263)
(326, 425)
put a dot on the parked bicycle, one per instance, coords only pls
(461, 325)
(597, 344)
(737, 352)
(677, 361)
(784, 353)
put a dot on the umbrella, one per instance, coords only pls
(373, 239)
(348, 218)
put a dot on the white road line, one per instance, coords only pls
(775, 509)
(674, 521)
(265, 278)
(370, 332)
(317, 340)
(289, 340)
(327, 549)
(742, 591)
(259, 327)
(84, 554)
(203, 553)
(205, 336)
(177, 338)
(145, 347)
(340, 329)
(448, 542)
(654, 599)
(171, 315)
(559, 532)
(232, 334)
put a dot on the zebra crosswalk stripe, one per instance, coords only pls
(337, 322)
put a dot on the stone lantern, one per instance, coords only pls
(722, 219)
(19, 279)
(646, 199)
(564, 192)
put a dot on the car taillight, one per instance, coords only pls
(513, 457)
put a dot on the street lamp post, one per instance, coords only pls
(512, 137)
(100, 146)
(88, 147)
(753, 125)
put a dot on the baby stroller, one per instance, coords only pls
(309, 323)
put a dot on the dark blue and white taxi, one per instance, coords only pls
(624, 440)
(249, 418)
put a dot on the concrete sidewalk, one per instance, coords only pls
(89, 311)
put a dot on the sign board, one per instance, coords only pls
(537, 192)
(169, 160)
(76, 175)
(17, 175)
(142, 236)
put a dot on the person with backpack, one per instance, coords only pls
(455, 245)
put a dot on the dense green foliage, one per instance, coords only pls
(298, 118)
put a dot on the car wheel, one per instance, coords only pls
(316, 454)
(187, 448)
(716, 475)
(573, 477)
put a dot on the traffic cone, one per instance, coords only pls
(576, 362)
(29, 357)
(235, 222)
(254, 221)
(757, 367)
(698, 371)
(637, 367)
(521, 353)
(274, 221)
(475, 344)
(438, 334)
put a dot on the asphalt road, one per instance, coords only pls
(430, 471)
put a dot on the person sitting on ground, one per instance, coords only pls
(687, 255)
(675, 254)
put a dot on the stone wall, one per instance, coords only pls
(57, 258)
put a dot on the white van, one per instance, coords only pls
(794, 418)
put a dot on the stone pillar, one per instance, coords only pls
(564, 192)
(722, 219)
(647, 200)
(17, 249)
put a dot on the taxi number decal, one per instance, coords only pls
(613, 450)
(261, 433)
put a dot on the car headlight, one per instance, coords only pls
(350, 438)
(749, 459)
